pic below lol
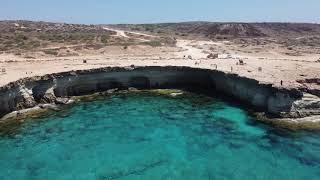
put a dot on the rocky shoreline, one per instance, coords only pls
(45, 92)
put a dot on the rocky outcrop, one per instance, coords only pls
(311, 86)
(54, 88)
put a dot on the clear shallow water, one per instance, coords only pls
(156, 137)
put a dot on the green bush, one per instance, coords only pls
(104, 39)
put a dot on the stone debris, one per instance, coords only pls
(60, 100)
(47, 106)
(111, 91)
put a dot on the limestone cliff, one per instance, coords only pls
(29, 92)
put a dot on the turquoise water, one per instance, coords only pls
(149, 137)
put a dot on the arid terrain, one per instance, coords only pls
(281, 54)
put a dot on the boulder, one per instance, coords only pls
(60, 100)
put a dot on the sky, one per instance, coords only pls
(158, 11)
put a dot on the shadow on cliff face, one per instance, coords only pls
(140, 82)
(46, 89)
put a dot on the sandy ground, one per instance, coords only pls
(265, 66)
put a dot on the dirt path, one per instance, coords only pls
(126, 34)
(120, 33)
(188, 48)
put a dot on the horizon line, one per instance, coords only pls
(167, 22)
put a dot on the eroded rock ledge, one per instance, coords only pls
(280, 102)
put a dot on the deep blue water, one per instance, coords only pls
(142, 136)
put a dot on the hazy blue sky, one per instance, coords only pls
(150, 11)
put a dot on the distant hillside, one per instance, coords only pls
(229, 30)
(50, 38)
(28, 35)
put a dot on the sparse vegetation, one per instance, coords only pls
(23, 36)
(104, 39)
(50, 52)
(37, 35)
(152, 43)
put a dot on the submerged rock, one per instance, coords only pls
(176, 94)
